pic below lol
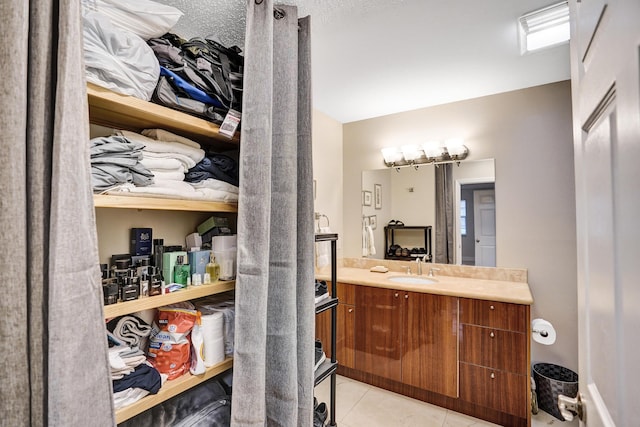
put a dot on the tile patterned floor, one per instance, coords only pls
(362, 405)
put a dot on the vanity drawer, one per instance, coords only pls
(499, 315)
(494, 348)
(492, 388)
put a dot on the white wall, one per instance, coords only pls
(528, 132)
(327, 172)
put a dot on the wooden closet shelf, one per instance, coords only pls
(171, 389)
(192, 292)
(158, 203)
(111, 109)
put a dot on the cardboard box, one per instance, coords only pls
(214, 221)
(198, 261)
(169, 263)
(141, 241)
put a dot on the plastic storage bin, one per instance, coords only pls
(552, 380)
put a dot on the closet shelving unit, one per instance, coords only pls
(107, 108)
(330, 366)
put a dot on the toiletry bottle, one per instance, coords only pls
(158, 251)
(182, 271)
(213, 269)
(155, 282)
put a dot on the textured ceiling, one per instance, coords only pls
(377, 57)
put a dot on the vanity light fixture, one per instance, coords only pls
(432, 152)
(544, 27)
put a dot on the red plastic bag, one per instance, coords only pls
(169, 344)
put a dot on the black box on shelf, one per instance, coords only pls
(141, 241)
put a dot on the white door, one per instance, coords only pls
(605, 46)
(484, 224)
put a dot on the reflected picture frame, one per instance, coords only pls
(377, 188)
(366, 198)
(373, 222)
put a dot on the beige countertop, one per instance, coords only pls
(517, 292)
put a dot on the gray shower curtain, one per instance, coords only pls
(274, 330)
(444, 214)
(54, 366)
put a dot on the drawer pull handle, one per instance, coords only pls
(406, 296)
(351, 310)
(493, 375)
(492, 335)
(395, 295)
(491, 307)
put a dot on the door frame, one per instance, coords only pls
(457, 190)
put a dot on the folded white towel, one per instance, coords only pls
(215, 184)
(196, 154)
(218, 195)
(165, 175)
(171, 164)
(163, 135)
(187, 162)
(323, 250)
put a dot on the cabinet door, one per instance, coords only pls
(323, 331)
(345, 337)
(430, 340)
(378, 337)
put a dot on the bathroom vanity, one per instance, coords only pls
(461, 342)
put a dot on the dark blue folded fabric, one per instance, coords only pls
(144, 377)
(216, 166)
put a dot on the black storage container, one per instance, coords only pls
(552, 380)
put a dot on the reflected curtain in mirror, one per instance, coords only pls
(444, 215)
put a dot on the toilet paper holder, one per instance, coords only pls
(543, 332)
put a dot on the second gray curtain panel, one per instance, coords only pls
(274, 330)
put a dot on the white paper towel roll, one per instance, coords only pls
(213, 335)
(543, 332)
(213, 352)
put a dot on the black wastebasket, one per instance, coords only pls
(551, 381)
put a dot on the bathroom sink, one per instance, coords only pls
(414, 280)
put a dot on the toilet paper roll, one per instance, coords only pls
(212, 324)
(213, 352)
(543, 332)
(213, 337)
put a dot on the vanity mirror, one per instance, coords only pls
(408, 195)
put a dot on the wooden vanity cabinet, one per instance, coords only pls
(494, 355)
(345, 326)
(408, 337)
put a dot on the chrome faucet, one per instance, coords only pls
(431, 270)
(420, 261)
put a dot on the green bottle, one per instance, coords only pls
(181, 271)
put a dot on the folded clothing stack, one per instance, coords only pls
(168, 157)
(131, 330)
(132, 376)
(116, 160)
